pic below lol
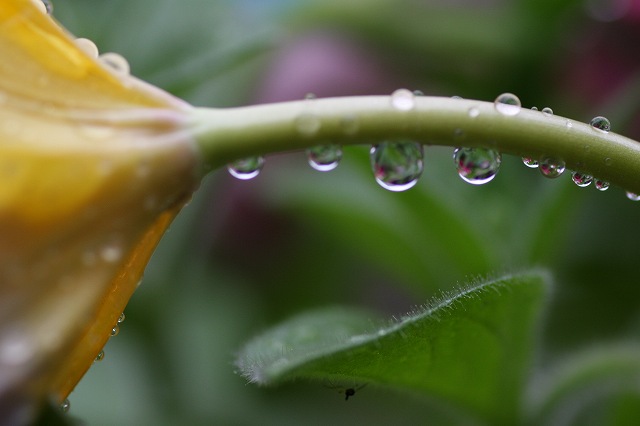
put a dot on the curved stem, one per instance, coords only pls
(225, 135)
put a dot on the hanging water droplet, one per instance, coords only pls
(247, 168)
(601, 185)
(307, 124)
(477, 166)
(633, 196)
(121, 318)
(397, 165)
(324, 158)
(403, 100)
(551, 167)
(508, 104)
(474, 112)
(547, 111)
(600, 123)
(99, 357)
(65, 406)
(581, 179)
(116, 62)
(88, 47)
(115, 330)
(530, 162)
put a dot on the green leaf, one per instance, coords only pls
(472, 348)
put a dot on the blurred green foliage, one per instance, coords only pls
(245, 255)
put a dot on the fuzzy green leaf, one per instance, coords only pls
(472, 348)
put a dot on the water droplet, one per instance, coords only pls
(547, 111)
(551, 167)
(456, 97)
(474, 112)
(121, 318)
(477, 166)
(88, 47)
(116, 62)
(310, 96)
(600, 123)
(46, 6)
(115, 330)
(397, 165)
(324, 157)
(581, 179)
(349, 125)
(65, 406)
(307, 124)
(99, 357)
(403, 100)
(418, 92)
(508, 104)
(111, 253)
(569, 124)
(533, 108)
(530, 162)
(632, 196)
(247, 168)
(608, 161)
(601, 185)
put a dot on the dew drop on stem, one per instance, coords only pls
(581, 179)
(547, 111)
(601, 185)
(116, 62)
(403, 100)
(247, 168)
(530, 162)
(551, 167)
(633, 196)
(397, 166)
(99, 357)
(601, 123)
(324, 158)
(508, 104)
(477, 166)
(65, 406)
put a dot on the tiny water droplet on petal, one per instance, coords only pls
(116, 62)
(403, 100)
(530, 162)
(46, 6)
(310, 96)
(418, 92)
(99, 357)
(88, 47)
(247, 168)
(477, 166)
(324, 158)
(600, 123)
(547, 111)
(601, 185)
(551, 167)
(569, 124)
(581, 179)
(633, 196)
(65, 406)
(534, 108)
(397, 165)
(121, 318)
(115, 330)
(508, 104)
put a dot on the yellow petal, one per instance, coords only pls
(94, 165)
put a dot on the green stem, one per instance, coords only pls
(225, 135)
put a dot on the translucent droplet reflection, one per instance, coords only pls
(600, 123)
(115, 330)
(99, 357)
(65, 406)
(48, 6)
(547, 111)
(121, 318)
(477, 166)
(116, 62)
(247, 168)
(633, 196)
(551, 168)
(530, 162)
(397, 165)
(324, 157)
(601, 185)
(508, 104)
(581, 179)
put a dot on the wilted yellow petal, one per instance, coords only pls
(93, 167)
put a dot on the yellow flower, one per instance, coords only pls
(94, 165)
